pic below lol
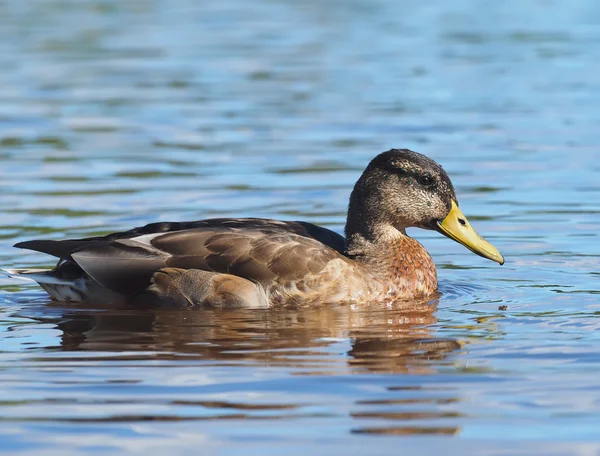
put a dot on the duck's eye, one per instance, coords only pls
(425, 181)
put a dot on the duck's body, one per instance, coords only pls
(263, 263)
(255, 262)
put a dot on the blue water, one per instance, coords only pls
(116, 114)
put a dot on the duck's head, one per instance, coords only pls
(402, 188)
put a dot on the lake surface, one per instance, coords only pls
(116, 114)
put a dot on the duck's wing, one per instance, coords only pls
(256, 249)
(64, 248)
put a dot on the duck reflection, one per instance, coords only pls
(329, 340)
(394, 338)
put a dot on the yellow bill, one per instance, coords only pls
(457, 227)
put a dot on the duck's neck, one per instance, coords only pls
(398, 261)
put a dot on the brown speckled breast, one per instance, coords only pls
(411, 270)
(402, 268)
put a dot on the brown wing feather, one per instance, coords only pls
(123, 266)
(254, 254)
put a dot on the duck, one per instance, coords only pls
(263, 263)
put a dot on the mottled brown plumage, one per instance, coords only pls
(261, 263)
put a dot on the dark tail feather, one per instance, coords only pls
(59, 249)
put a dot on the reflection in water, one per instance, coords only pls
(306, 342)
(383, 339)
(408, 431)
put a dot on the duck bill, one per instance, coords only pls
(457, 227)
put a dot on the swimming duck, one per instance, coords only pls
(257, 263)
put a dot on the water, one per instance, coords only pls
(116, 114)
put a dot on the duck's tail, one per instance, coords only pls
(59, 288)
(41, 276)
